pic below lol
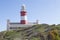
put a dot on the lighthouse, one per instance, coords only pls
(23, 22)
(23, 15)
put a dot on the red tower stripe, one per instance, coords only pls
(23, 13)
(23, 21)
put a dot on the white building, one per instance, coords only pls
(23, 23)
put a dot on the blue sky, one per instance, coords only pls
(46, 11)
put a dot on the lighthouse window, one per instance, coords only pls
(10, 27)
(14, 27)
(18, 27)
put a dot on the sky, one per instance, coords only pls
(46, 11)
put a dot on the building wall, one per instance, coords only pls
(17, 26)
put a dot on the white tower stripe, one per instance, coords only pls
(23, 17)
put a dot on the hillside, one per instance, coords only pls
(36, 32)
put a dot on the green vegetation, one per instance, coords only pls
(38, 32)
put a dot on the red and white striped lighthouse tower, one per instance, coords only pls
(23, 15)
